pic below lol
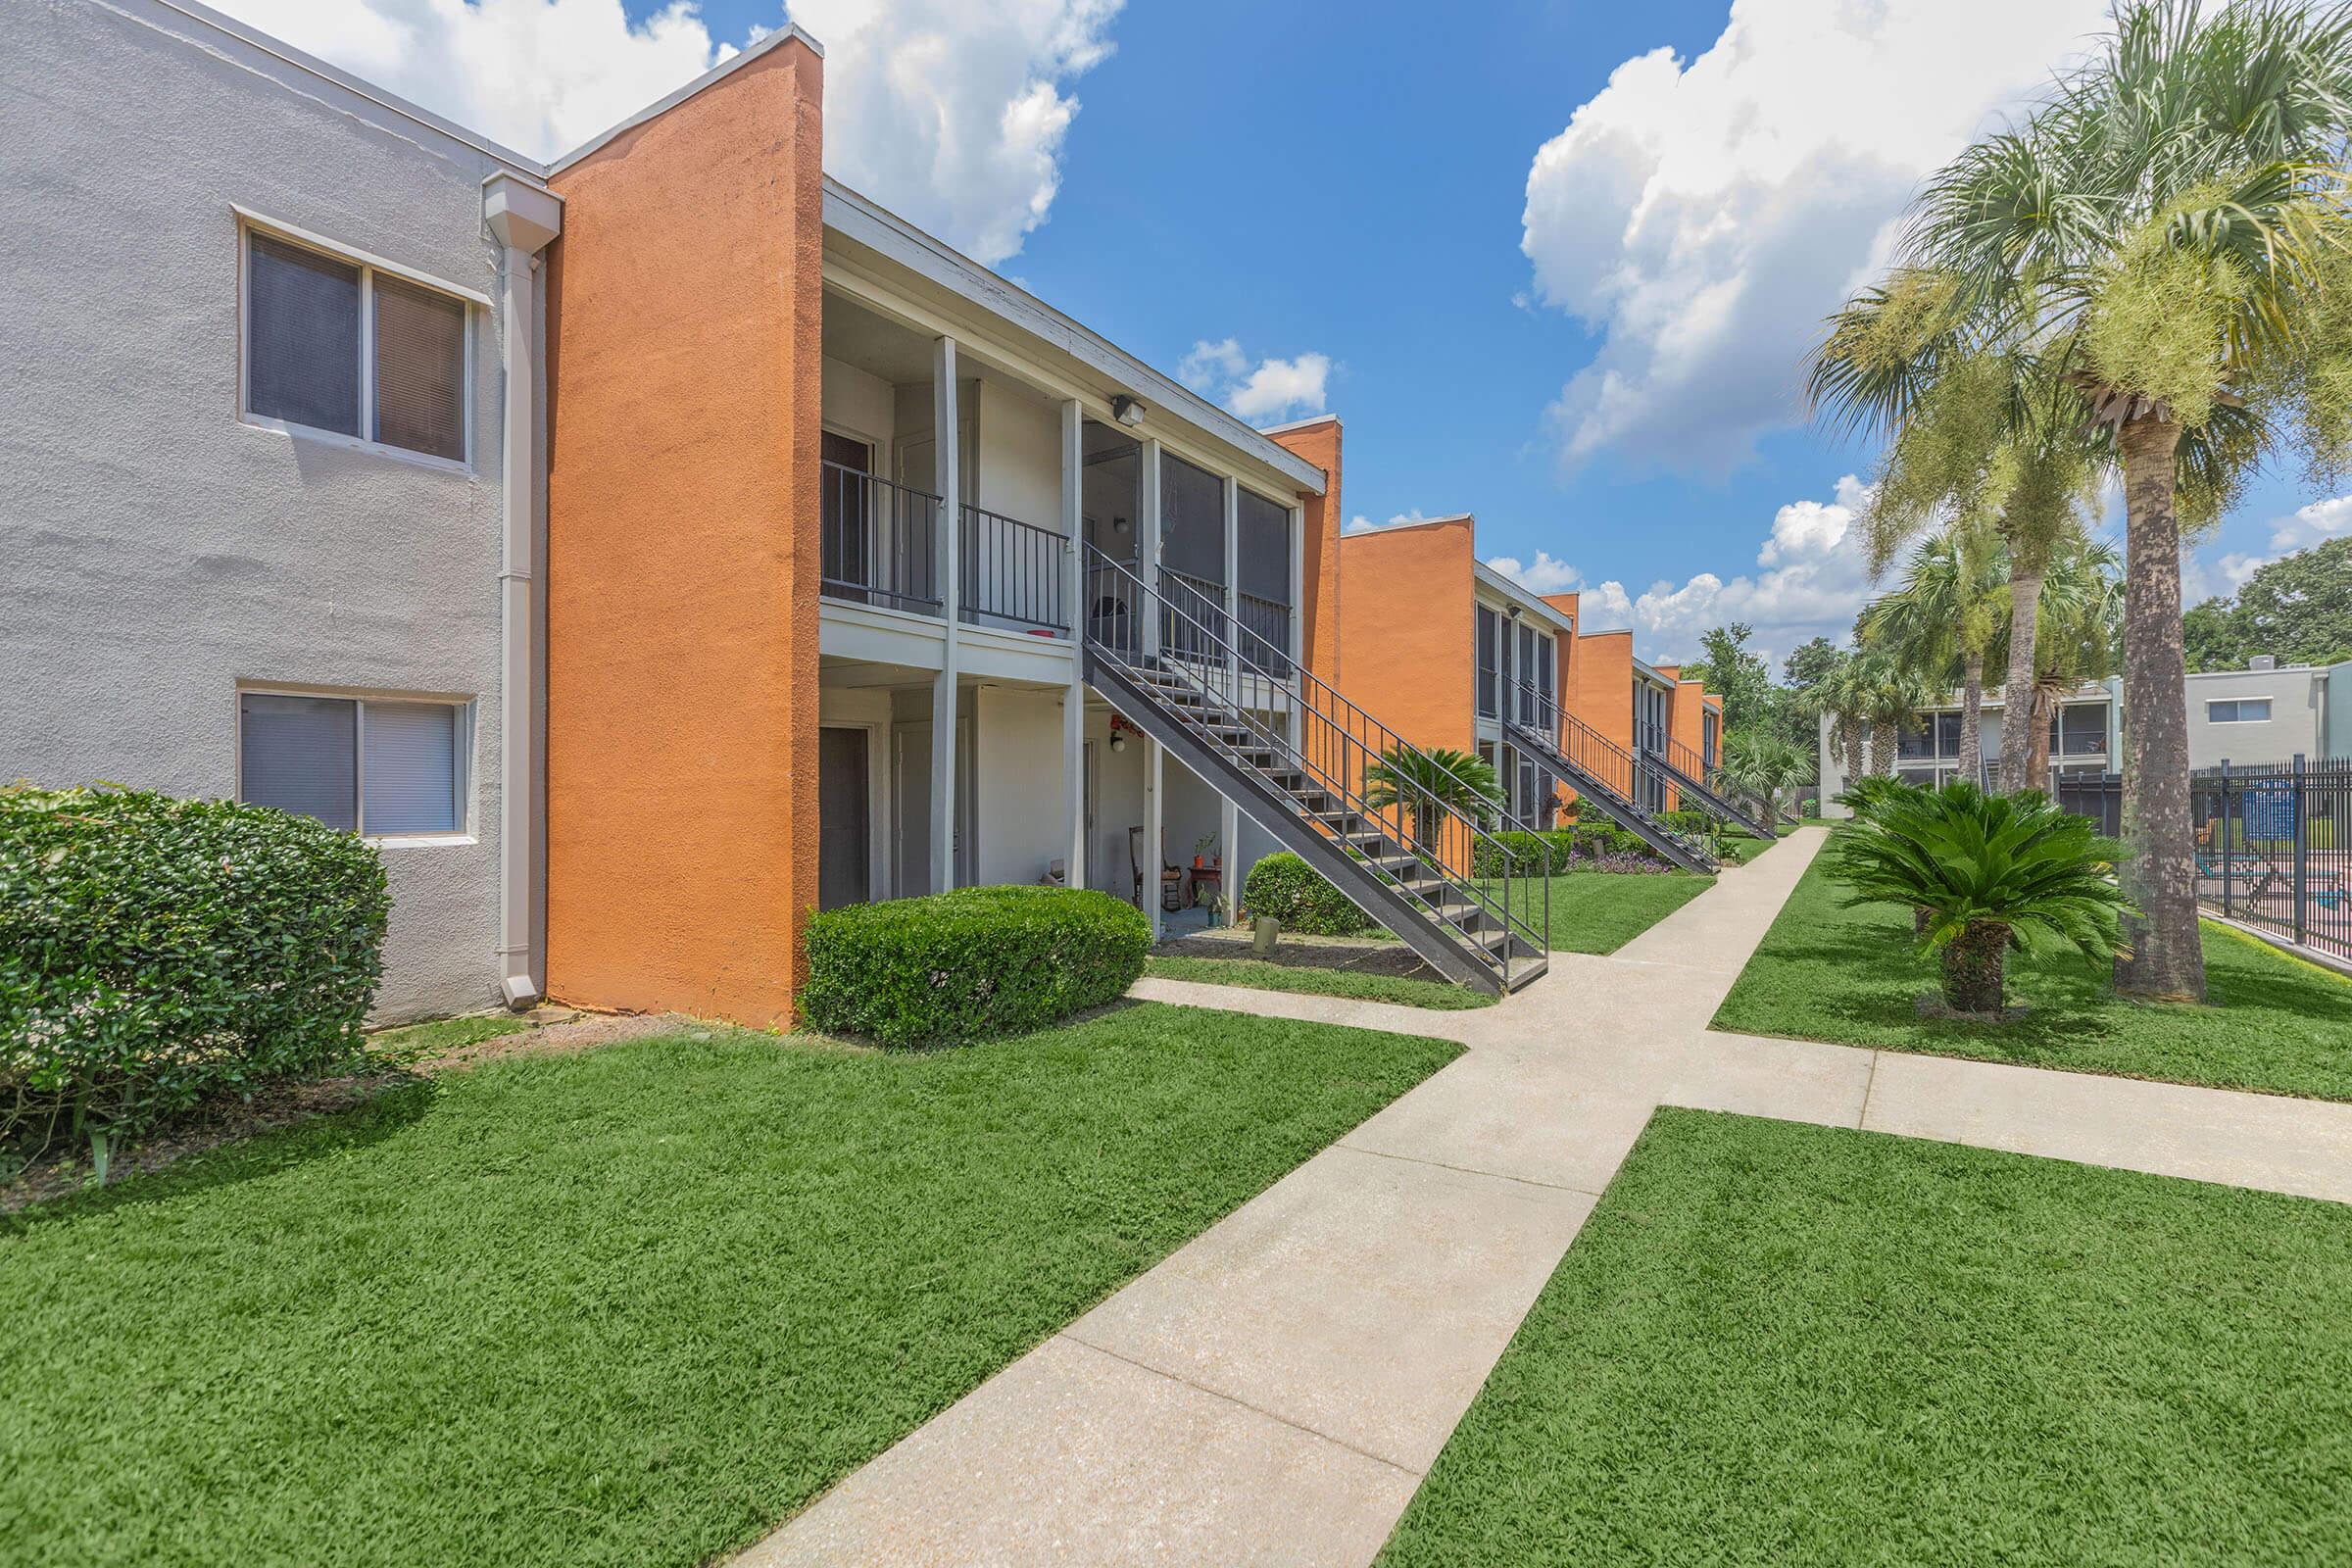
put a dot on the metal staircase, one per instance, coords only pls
(1304, 763)
(1714, 793)
(1605, 776)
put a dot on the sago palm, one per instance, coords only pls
(2164, 238)
(1981, 870)
(1422, 784)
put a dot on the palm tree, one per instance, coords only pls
(1980, 869)
(1422, 784)
(2153, 241)
(1844, 696)
(1944, 621)
(1889, 698)
(1764, 764)
(2082, 624)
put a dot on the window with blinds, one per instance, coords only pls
(379, 767)
(336, 345)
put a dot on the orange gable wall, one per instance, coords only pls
(1322, 517)
(1407, 627)
(684, 328)
(1684, 715)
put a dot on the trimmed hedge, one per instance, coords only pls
(156, 952)
(1301, 898)
(972, 964)
(1544, 854)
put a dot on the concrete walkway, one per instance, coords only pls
(1274, 1390)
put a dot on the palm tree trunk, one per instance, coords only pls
(1972, 710)
(1881, 748)
(1973, 965)
(2165, 960)
(1849, 746)
(2045, 708)
(2017, 696)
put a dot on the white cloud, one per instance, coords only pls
(1545, 575)
(2203, 578)
(1703, 217)
(1814, 578)
(953, 115)
(1262, 393)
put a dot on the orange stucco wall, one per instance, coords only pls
(684, 328)
(1684, 713)
(1322, 517)
(1407, 627)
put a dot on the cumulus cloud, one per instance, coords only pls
(953, 115)
(1703, 216)
(2203, 578)
(1545, 575)
(1263, 392)
(1813, 577)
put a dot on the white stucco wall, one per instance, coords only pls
(862, 404)
(157, 550)
(2296, 726)
(1021, 457)
(1018, 812)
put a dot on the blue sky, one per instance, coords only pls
(1590, 338)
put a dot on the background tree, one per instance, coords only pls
(1740, 678)
(2080, 635)
(2159, 239)
(2298, 608)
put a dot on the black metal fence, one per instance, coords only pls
(2274, 842)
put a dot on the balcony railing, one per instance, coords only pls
(1013, 571)
(1193, 621)
(880, 542)
(1266, 633)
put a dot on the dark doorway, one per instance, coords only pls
(844, 835)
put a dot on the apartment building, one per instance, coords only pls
(644, 549)
(2266, 713)
(1462, 657)
(270, 430)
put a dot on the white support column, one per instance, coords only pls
(1146, 555)
(1155, 823)
(1229, 817)
(1073, 703)
(524, 218)
(945, 428)
(1297, 593)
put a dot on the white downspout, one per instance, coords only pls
(524, 218)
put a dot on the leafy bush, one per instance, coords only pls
(970, 965)
(1977, 869)
(1697, 824)
(1600, 836)
(1301, 898)
(1544, 854)
(155, 952)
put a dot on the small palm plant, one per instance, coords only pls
(1982, 870)
(1423, 784)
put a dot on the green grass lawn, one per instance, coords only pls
(1739, 845)
(1317, 981)
(1825, 972)
(1778, 1344)
(1600, 911)
(631, 1306)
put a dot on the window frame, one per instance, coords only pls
(249, 224)
(2234, 704)
(461, 754)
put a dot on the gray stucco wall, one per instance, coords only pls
(157, 550)
(2297, 720)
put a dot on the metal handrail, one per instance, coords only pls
(1620, 771)
(1682, 758)
(1011, 570)
(1346, 736)
(1202, 602)
(879, 542)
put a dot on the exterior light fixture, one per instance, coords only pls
(1118, 732)
(1127, 410)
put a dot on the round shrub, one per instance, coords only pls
(1301, 898)
(1543, 853)
(970, 965)
(156, 951)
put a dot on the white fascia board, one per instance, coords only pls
(1520, 593)
(864, 222)
(668, 101)
(255, 38)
